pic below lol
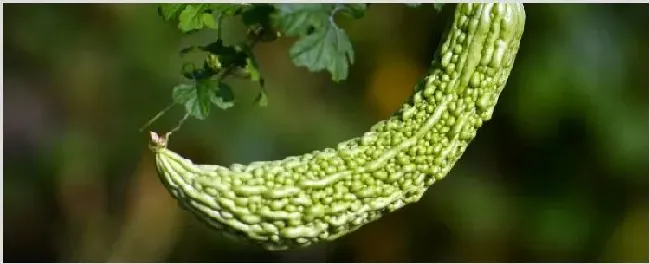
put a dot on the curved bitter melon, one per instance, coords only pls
(322, 195)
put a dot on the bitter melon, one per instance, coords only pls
(325, 194)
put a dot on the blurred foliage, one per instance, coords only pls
(559, 174)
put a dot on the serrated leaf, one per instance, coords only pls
(183, 93)
(222, 96)
(354, 10)
(198, 98)
(170, 11)
(296, 19)
(194, 16)
(191, 18)
(194, 98)
(199, 105)
(328, 49)
(194, 109)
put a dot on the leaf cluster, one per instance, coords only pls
(321, 45)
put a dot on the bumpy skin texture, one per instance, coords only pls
(325, 194)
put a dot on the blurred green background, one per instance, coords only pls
(559, 174)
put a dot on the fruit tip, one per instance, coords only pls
(159, 141)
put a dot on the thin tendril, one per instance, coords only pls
(158, 115)
(180, 123)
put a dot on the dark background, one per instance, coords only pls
(559, 174)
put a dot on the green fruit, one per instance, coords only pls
(325, 194)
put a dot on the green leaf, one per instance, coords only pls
(191, 18)
(209, 21)
(183, 93)
(222, 96)
(296, 19)
(328, 49)
(199, 106)
(199, 97)
(195, 98)
(413, 4)
(170, 11)
(322, 44)
(194, 108)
